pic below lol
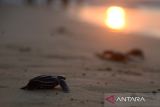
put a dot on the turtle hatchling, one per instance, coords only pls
(46, 82)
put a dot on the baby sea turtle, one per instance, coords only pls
(113, 56)
(136, 52)
(46, 82)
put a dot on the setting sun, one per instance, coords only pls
(115, 18)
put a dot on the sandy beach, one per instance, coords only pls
(44, 41)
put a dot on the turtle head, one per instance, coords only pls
(61, 77)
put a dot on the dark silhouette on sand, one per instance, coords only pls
(30, 2)
(49, 2)
(65, 3)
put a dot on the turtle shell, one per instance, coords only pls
(113, 56)
(42, 82)
(136, 52)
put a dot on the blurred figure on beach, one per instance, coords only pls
(65, 3)
(49, 2)
(30, 2)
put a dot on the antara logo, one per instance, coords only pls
(113, 99)
(130, 99)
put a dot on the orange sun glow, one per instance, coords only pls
(115, 18)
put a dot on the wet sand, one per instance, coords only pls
(42, 41)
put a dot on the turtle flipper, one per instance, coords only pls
(24, 88)
(64, 85)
